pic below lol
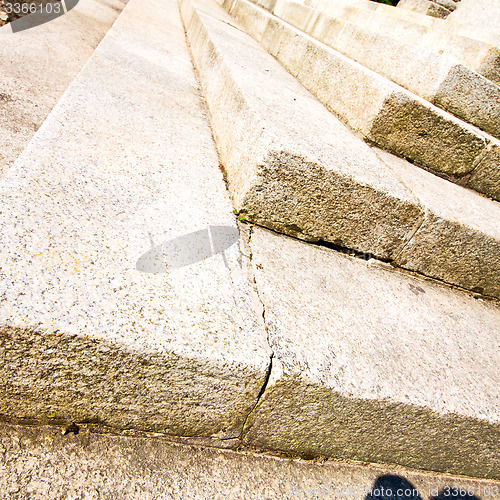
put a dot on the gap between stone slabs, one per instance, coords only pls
(295, 168)
(102, 319)
(370, 364)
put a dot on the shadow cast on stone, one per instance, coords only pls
(46, 12)
(391, 487)
(187, 249)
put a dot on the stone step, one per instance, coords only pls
(122, 300)
(293, 167)
(392, 117)
(449, 4)
(475, 49)
(427, 7)
(439, 79)
(37, 65)
(451, 24)
(40, 462)
(373, 365)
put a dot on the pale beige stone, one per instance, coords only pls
(40, 462)
(305, 193)
(103, 316)
(485, 178)
(372, 364)
(37, 65)
(291, 165)
(438, 78)
(480, 13)
(459, 240)
(426, 7)
(390, 116)
(473, 47)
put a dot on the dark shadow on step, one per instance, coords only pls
(391, 487)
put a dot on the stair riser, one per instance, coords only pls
(390, 116)
(439, 79)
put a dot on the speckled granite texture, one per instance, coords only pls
(99, 321)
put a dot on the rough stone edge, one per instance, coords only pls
(334, 473)
(276, 377)
(256, 217)
(399, 103)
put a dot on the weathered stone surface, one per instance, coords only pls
(485, 178)
(403, 125)
(459, 240)
(437, 78)
(372, 364)
(113, 306)
(291, 165)
(310, 198)
(40, 462)
(486, 32)
(480, 13)
(427, 136)
(475, 100)
(426, 7)
(451, 5)
(37, 65)
(391, 116)
(475, 48)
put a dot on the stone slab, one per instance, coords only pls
(485, 178)
(291, 164)
(392, 117)
(474, 48)
(426, 7)
(451, 25)
(451, 5)
(37, 65)
(40, 462)
(470, 97)
(480, 13)
(436, 77)
(313, 199)
(122, 299)
(374, 365)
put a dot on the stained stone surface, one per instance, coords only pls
(483, 14)
(101, 319)
(294, 168)
(291, 165)
(436, 77)
(474, 99)
(427, 7)
(485, 178)
(125, 298)
(40, 463)
(459, 241)
(474, 46)
(372, 364)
